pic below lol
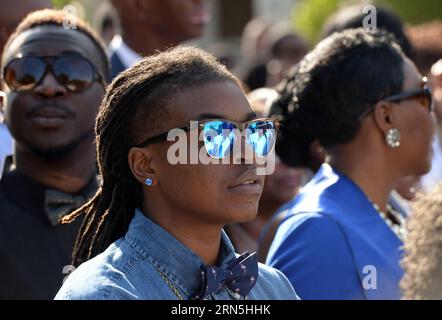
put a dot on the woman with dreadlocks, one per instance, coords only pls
(154, 230)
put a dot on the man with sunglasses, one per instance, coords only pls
(9, 19)
(53, 80)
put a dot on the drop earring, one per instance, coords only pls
(393, 138)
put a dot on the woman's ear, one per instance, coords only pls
(384, 116)
(142, 165)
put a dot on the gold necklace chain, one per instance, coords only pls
(171, 286)
(399, 229)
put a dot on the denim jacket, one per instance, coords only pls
(149, 263)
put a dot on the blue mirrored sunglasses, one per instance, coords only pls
(220, 136)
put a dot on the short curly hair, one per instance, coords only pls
(324, 95)
(57, 18)
(423, 248)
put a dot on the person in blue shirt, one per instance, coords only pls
(368, 106)
(154, 229)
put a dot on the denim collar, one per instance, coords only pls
(177, 262)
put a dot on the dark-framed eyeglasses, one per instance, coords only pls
(424, 93)
(74, 72)
(220, 135)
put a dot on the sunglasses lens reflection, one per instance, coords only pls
(219, 137)
(74, 73)
(24, 74)
(261, 136)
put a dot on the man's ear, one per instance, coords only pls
(142, 165)
(384, 116)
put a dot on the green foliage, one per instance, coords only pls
(60, 4)
(416, 11)
(310, 15)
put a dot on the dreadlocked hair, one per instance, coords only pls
(134, 104)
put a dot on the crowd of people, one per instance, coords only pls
(92, 207)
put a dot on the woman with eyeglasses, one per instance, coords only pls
(372, 111)
(154, 228)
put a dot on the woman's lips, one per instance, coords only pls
(248, 183)
(252, 189)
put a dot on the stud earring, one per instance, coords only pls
(149, 182)
(393, 138)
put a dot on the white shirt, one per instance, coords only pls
(429, 180)
(6, 144)
(127, 56)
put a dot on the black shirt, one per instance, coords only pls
(33, 253)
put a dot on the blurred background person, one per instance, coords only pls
(151, 25)
(426, 40)
(255, 48)
(107, 22)
(224, 51)
(287, 49)
(255, 40)
(10, 16)
(369, 107)
(423, 249)
(350, 17)
(279, 188)
(284, 48)
(436, 80)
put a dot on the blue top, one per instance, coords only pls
(130, 269)
(333, 244)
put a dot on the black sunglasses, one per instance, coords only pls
(424, 93)
(74, 72)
